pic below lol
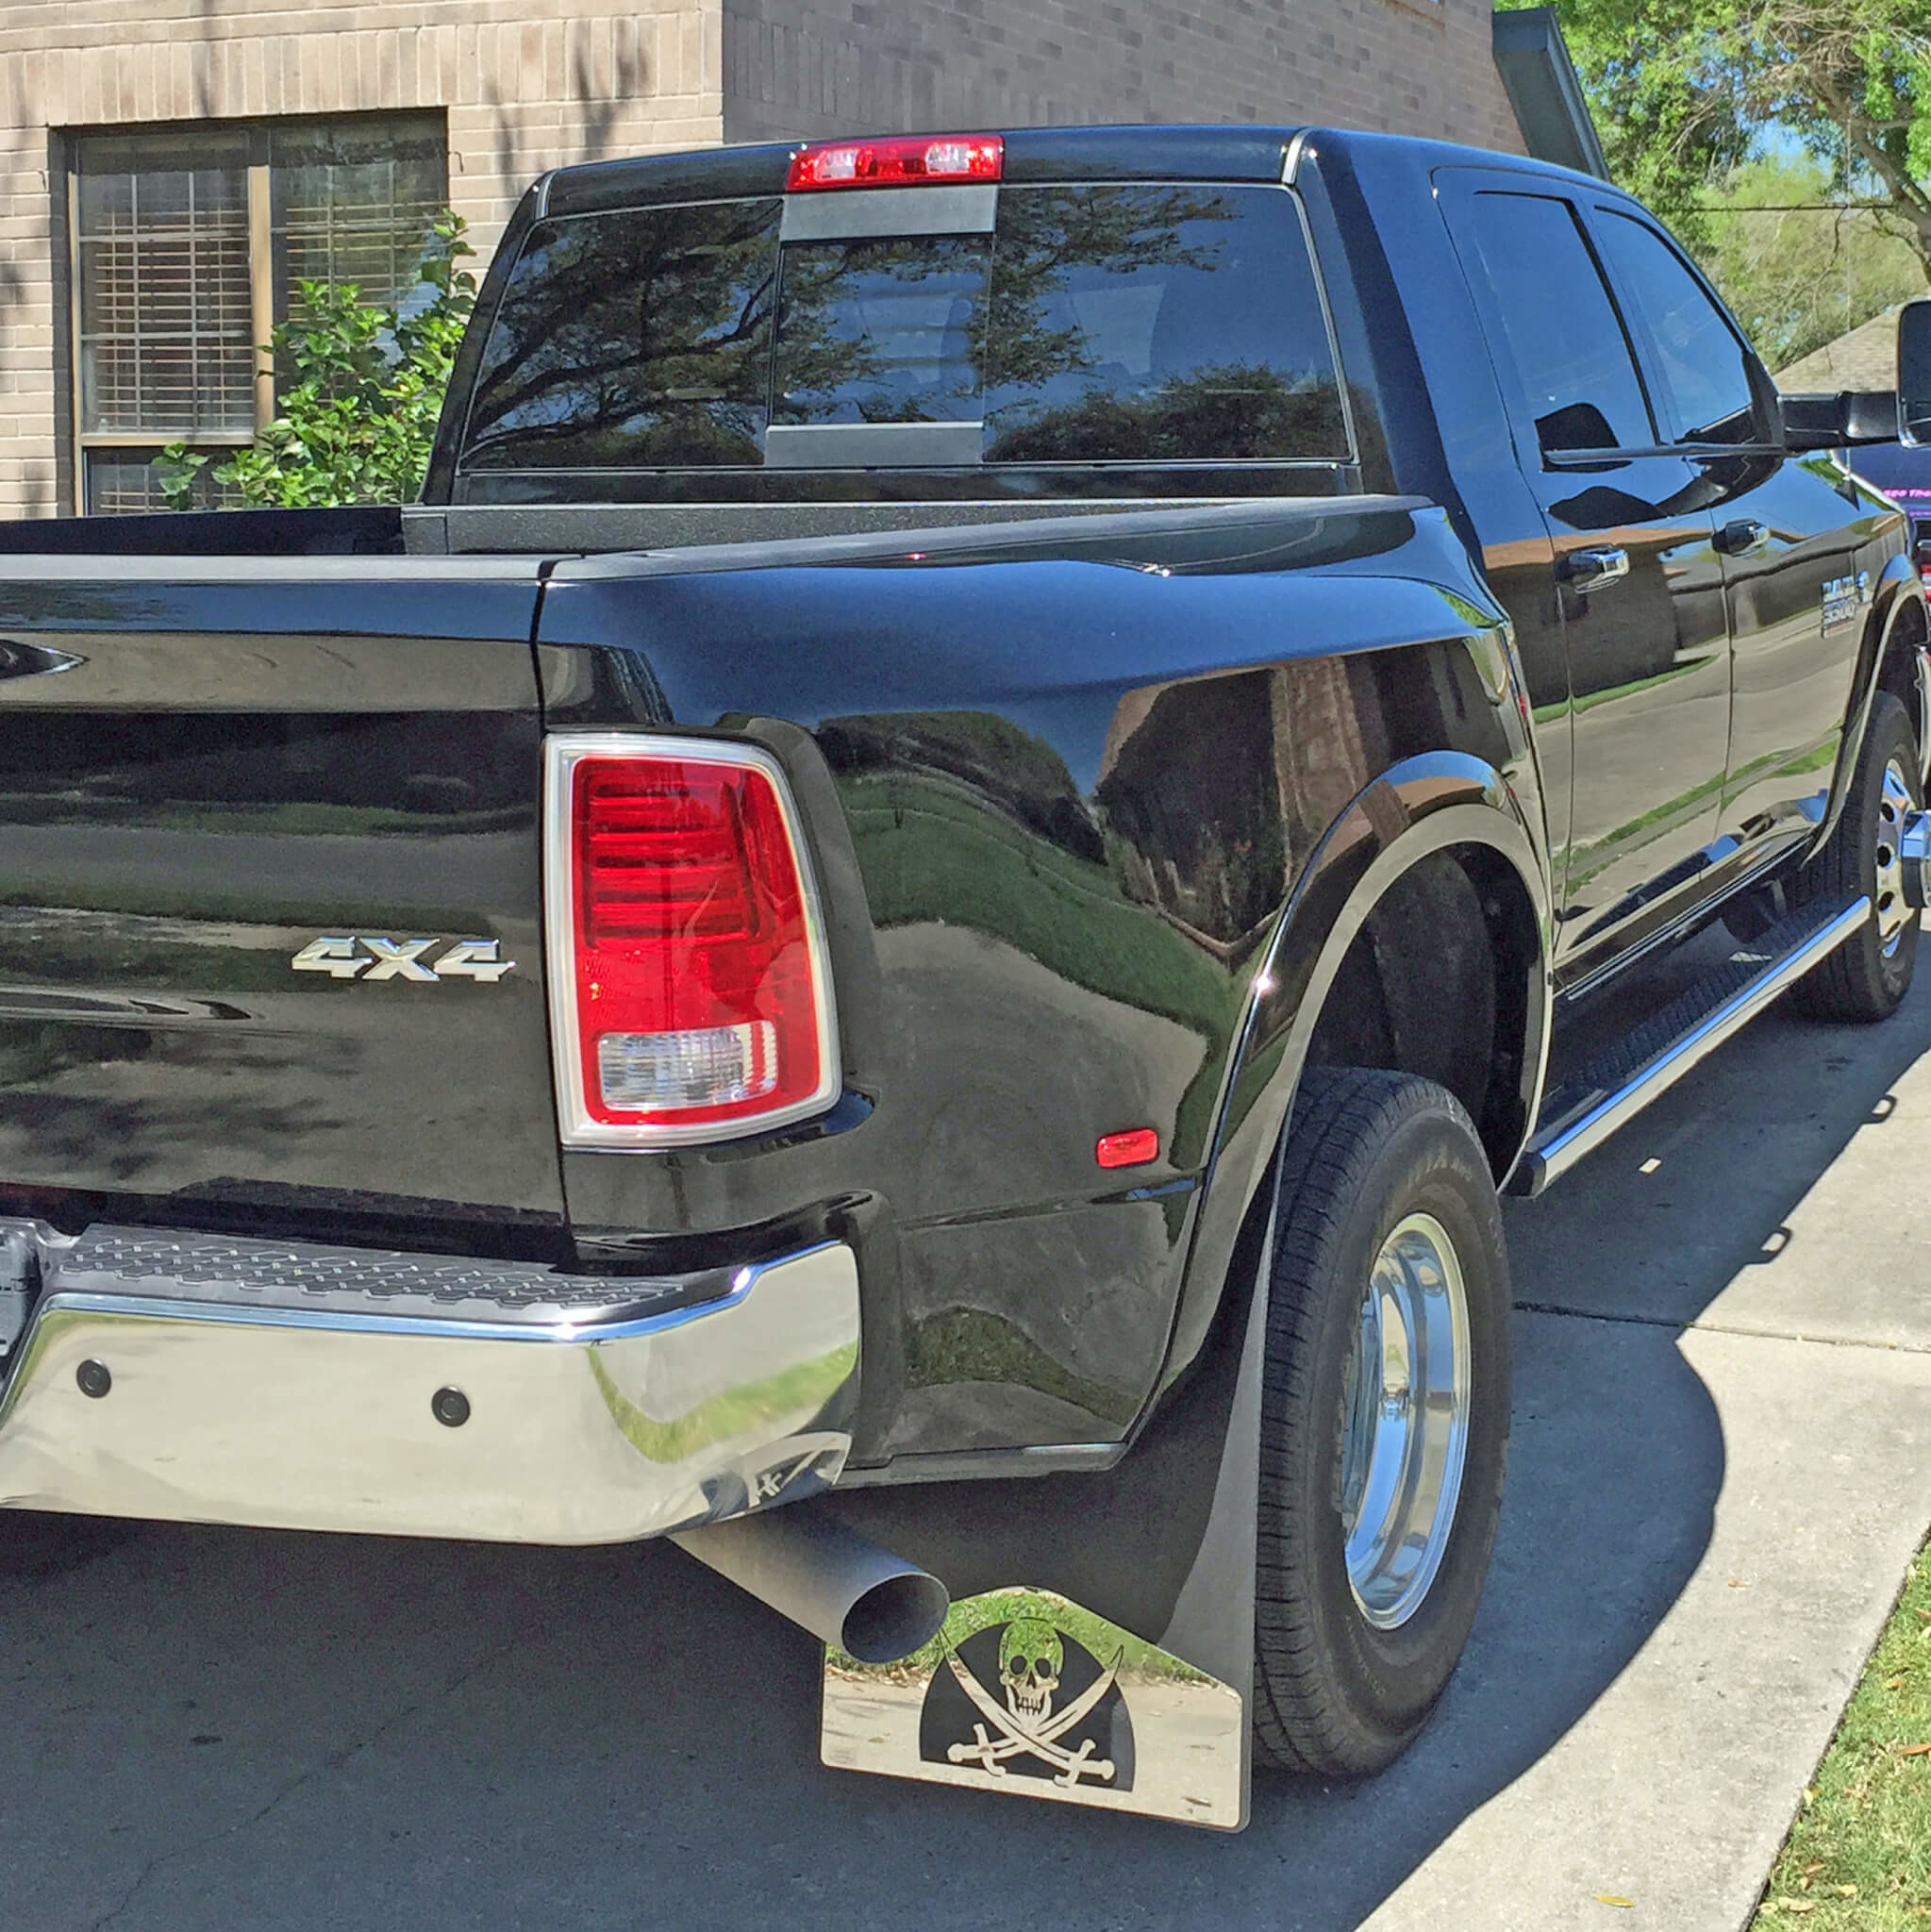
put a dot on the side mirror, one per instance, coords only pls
(1914, 372)
(1870, 415)
(1841, 419)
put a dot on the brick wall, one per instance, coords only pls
(527, 85)
(819, 67)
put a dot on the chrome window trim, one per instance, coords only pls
(562, 753)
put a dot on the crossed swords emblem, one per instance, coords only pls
(1016, 1741)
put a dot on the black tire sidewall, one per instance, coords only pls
(1889, 736)
(1385, 1683)
(1859, 982)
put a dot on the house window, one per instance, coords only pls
(190, 245)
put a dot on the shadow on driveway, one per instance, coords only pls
(207, 1727)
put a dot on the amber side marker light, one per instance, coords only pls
(902, 162)
(1131, 1147)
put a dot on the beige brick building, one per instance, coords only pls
(169, 167)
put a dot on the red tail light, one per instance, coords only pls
(689, 987)
(897, 162)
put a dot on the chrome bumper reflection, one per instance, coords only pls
(227, 1394)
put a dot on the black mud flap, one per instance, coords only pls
(1100, 1646)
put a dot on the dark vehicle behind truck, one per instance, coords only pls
(939, 880)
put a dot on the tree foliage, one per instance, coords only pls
(358, 389)
(1681, 90)
(1799, 275)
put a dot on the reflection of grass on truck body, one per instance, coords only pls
(143, 939)
(929, 855)
(1138, 1659)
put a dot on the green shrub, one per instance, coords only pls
(359, 387)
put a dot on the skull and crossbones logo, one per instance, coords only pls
(1031, 1658)
(1031, 1662)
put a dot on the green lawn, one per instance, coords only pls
(1859, 1854)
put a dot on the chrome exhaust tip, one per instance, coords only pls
(847, 1592)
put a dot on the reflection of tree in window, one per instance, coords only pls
(1236, 412)
(641, 338)
(882, 330)
(1093, 324)
(1150, 324)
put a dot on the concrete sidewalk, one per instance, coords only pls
(1721, 1463)
(1768, 1225)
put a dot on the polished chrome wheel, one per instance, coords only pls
(1895, 911)
(1405, 1420)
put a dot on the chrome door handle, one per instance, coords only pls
(33, 660)
(1590, 570)
(1742, 537)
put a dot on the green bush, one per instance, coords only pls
(359, 389)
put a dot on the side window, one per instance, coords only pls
(1558, 326)
(1701, 363)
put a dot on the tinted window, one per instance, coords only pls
(1094, 325)
(1559, 328)
(1157, 323)
(882, 331)
(639, 339)
(1704, 379)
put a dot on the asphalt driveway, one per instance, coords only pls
(1721, 1462)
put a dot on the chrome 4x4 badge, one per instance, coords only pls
(356, 956)
(1027, 1693)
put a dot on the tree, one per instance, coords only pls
(359, 389)
(1799, 274)
(1681, 90)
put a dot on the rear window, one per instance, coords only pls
(637, 338)
(1115, 325)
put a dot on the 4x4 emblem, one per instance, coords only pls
(361, 957)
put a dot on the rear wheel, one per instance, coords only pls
(1867, 977)
(1385, 1419)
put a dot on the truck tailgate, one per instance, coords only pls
(207, 768)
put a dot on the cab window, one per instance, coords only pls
(1700, 364)
(1558, 326)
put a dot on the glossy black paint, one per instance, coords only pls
(1103, 810)
(236, 759)
(1651, 816)
(1056, 811)
(1127, 152)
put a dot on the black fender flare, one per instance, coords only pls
(1899, 591)
(1421, 806)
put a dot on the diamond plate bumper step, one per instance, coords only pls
(308, 1277)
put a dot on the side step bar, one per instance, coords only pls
(1608, 1095)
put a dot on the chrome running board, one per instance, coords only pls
(1610, 1093)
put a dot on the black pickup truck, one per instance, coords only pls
(936, 881)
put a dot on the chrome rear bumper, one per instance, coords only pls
(289, 1384)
